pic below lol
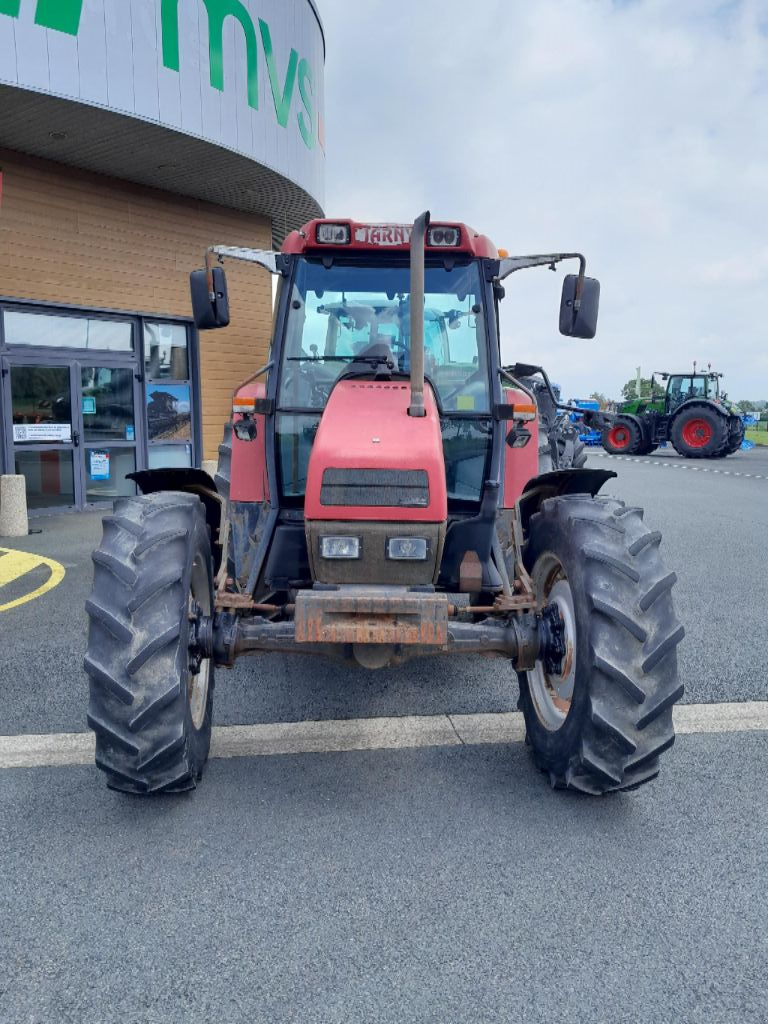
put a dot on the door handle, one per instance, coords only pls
(76, 438)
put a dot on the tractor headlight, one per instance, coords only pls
(407, 549)
(444, 236)
(333, 234)
(340, 547)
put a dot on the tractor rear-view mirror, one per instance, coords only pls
(581, 322)
(209, 313)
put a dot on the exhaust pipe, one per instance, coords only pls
(418, 237)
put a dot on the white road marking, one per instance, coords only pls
(59, 749)
(677, 465)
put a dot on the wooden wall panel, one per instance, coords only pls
(77, 238)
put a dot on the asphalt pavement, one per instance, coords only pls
(443, 885)
(446, 883)
(715, 529)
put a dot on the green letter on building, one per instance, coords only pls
(218, 12)
(60, 15)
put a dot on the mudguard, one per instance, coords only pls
(561, 481)
(190, 481)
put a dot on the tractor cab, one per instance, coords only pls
(684, 387)
(348, 318)
(344, 313)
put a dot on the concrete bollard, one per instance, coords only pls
(13, 506)
(209, 466)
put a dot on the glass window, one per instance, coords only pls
(169, 412)
(108, 404)
(165, 351)
(106, 470)
(295, 437)
(67, 332)
(50, 477)
(466, 449)
(41, 404)
(170, 456)
(346, 316)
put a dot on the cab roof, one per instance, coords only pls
(363, 237)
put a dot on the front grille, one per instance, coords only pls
(361, 488)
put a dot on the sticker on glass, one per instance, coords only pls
(42, 432)
(99, 465)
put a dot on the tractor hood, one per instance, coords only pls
(371, 461)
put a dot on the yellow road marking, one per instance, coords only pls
(15, 564)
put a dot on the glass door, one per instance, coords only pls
(107, 400)
(43, 434)
(73, 431)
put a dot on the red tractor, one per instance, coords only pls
(378, 498)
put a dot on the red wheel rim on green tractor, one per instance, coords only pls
(619, 436)
(697, 433)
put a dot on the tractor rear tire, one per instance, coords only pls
(223, 481)
(603, 721)
(572, 453)
(150, 696)
(699, 432)
(224, 466)
(622, 437)
(736, 435)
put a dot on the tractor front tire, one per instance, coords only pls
(151, 694)
(699, 432)
(622, 437)
(601, 722)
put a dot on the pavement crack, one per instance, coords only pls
(456, 731)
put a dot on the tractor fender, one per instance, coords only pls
(189, 481)
(552, 485)
(640, 422)
(698, 403)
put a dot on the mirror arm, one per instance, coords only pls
(265, 258)
(510, 264)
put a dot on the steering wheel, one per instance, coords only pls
(319, 390)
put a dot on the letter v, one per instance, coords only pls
(282, 97)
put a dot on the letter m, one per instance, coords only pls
(61, 15)
(218, 12)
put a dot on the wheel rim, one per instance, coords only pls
(697, 433)
(199, 673)
(619, 437)
(552, 695)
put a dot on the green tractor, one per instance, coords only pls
(691, 414)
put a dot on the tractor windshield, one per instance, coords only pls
(341, 313)
(682, 389)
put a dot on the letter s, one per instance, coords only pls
(306, 90)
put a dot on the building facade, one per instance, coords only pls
(133, 135)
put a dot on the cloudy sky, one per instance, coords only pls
(634, 131)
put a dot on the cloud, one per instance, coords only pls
(634, 132)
